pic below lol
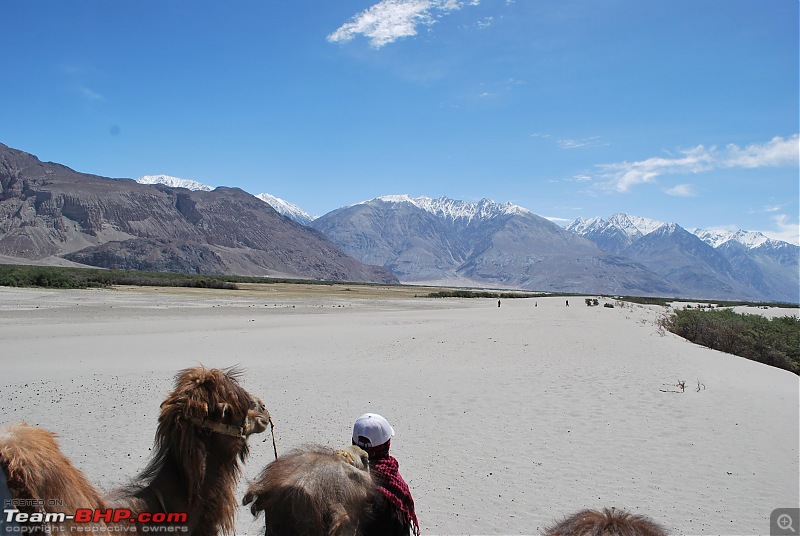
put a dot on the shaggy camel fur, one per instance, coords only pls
(200, 442)
(609, 522)
(314, 491)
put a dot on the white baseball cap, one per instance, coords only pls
(371, 430)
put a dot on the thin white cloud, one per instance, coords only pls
(485, 23)
(625, 175)
(555, 219)
(776, 152)
(593, 141)
(771, 208)
(681, 190)
(784, 230)
(390, 20)
(89, 94)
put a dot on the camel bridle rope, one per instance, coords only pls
(233, 431)
(218, 427)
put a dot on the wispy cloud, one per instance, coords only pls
(776, 152)
(390, 20)
(681, 190)
(89, 94)
(556, 219)
(784, 230)
(485, 23)
(594, 141)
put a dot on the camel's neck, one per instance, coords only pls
(211, 509)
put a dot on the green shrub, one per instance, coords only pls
(775, 342)
(60, 277)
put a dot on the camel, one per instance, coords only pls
(314, 491)
(609, 522)
(200, 444)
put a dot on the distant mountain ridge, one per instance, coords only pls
(713, 263)
(454, 210)
(159, 222)
(174, 182)
(51, 211)
(290, 210)
(636, 227)
(481, 244)
(285, 208)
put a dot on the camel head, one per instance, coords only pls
(258, 418)
(206, 420)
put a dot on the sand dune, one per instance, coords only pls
(506, 418)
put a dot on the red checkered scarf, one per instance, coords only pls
(389, 482)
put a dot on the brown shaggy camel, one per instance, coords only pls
(200, 442)
(314, 491)
(609, 522)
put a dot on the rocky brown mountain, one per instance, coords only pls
(49, 211)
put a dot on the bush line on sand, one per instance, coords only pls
(61, 277)
(774, 342)
(17, 275)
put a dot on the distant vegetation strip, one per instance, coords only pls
(773, 341)
(61, 277)
(13, 275)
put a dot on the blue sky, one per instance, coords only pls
(676, 110)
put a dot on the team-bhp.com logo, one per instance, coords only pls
(96, 520)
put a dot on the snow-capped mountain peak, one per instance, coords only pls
(715, 237)
(582, 226)
(290, 210)
(453, 209)
(174, 182)
(634, 226)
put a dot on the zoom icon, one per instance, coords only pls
(784, 522)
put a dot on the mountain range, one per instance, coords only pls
(704, 263)
(50, 213)
(444, 241)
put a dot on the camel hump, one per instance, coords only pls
(313, 490)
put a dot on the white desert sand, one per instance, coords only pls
(506, 418)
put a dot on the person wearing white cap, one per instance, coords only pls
(394, 513)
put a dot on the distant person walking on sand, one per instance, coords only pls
(567, 303)
(394, 514)
(498, 303)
